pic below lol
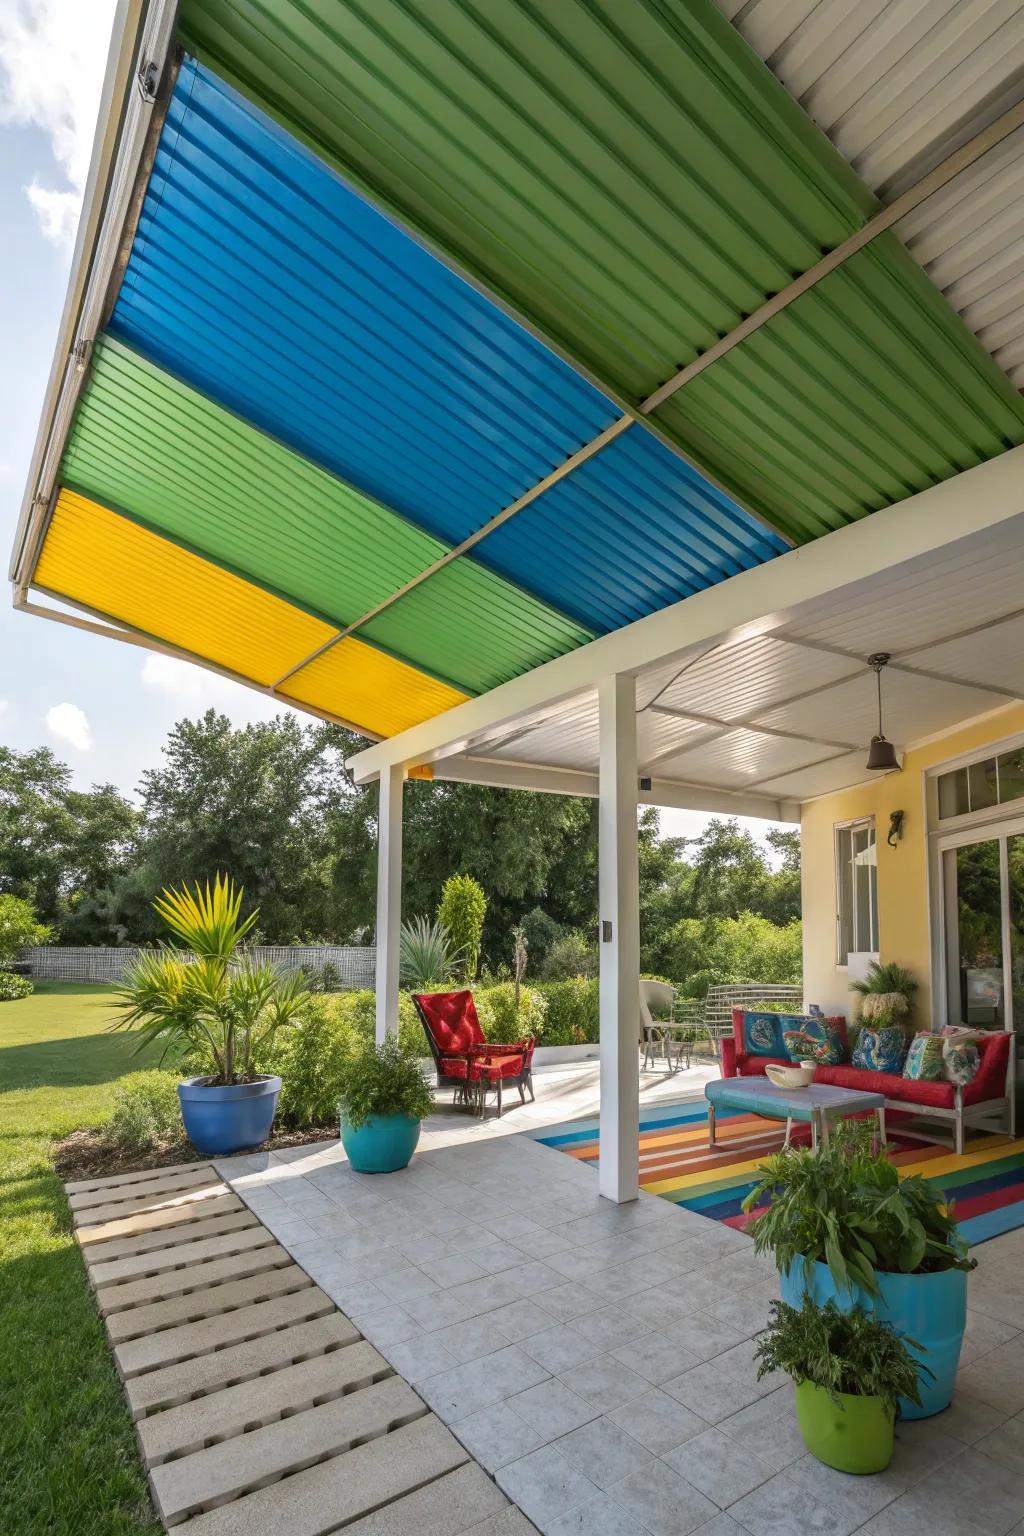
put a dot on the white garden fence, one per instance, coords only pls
(354, 966)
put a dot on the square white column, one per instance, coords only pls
(619, 941)
(389, 899)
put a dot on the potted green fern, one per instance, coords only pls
(850, 1372)
(383, 1101)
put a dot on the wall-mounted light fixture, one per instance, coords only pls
(895, 828)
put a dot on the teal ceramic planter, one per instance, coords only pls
(382, 1144)
(930, 1309)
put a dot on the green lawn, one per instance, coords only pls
(68, 1460)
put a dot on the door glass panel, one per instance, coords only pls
(1015, 860)
(976, 948)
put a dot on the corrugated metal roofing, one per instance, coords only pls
(112, 565)
(151, 446)
(898, 85)
(626, 174)
(258, 276)
(626, 533)
(370, 688)
(108, 563)
(864, 391)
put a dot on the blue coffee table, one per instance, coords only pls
(816, 1105)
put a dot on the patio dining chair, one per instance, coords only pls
(463, 1059)
(656, 1034)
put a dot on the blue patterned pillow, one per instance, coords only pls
(880, 1050)
(815, 1038)
(762, 1034)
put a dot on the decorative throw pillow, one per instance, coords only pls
(815, 1038)
(924, 1063)
(762, 1034)
(961, 1060)
(880, 1050)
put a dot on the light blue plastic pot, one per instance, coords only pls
(228, 1118)
(382, 1144)
(930, 1309)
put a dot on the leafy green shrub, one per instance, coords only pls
(13, 987)
(502, 1022)
(312, 1060)
(699, 952)
(384, 1080)
(323, 978)
(572, 954)
(18, 928)
(461, 913)
(147, 1111)
(846, 1206)
(843, 1352)
(573, 1013)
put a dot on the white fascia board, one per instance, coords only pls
(754, 602)
(570, 781)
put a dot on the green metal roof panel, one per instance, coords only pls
(465, 622)
(147, 445)
(626, 173)
(864, 391)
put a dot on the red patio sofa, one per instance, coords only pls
(463, 1058)
(986, 1095)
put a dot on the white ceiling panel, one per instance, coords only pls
(743, 680)
(741, 757)
(898, 85)
(994, 655)
(564, 740)
(820, 779)
(912, 707)
(658, 735)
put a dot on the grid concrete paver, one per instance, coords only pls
(244, 1323)
(115, 1299)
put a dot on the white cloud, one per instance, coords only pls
(70, 724)
(52, 57)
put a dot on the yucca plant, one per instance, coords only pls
(426, 954)
(888, 991)
(214, 1005)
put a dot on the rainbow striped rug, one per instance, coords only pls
(987, 1183)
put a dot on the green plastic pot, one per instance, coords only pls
(853, 1435)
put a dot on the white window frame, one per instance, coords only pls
(971, 820)
(856, 824)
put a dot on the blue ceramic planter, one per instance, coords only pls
(229, 1117)
(382, 1144)
(930, 1309)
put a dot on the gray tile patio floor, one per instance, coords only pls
(597, 1360)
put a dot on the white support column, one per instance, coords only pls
(389, 898)
(619, 900)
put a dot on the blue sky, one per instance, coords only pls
(104, 707)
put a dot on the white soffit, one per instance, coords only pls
(912, 707)
(994, 654)
(740, 682)
(820, 779)
(742, 758)
(898, 85)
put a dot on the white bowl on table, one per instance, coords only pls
(790, 1077)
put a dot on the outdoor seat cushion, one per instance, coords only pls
(893, 1084)
(493, 1068)
(753, 1066)
(451, 1019)
(453, 1066)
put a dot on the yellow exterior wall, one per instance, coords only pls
(903, 908)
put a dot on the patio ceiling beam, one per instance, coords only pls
(896, 663)
(877, 225)
(676, 794)
(749, 723)
(756, 602)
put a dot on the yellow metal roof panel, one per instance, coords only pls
(367, 685)
(107, 562)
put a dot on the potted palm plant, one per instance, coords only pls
(844, 1227)
(385, 1097)
(214, 1006)
(850, 1372)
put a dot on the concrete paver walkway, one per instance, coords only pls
(260, 1408)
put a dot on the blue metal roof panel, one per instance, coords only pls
(631, 530)
(259, 277)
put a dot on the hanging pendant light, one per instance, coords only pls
(881, 753)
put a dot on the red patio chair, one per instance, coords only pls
(463, 1059)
